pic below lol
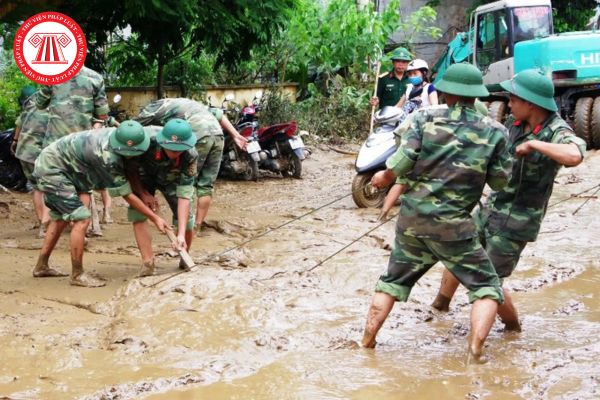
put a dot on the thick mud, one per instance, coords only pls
(268, 321)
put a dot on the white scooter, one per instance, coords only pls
(371, 158)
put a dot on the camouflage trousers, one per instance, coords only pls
(412, 257)
(62, 198)
(210, 152)
(27, 168)
(170, 194)
(503, 252)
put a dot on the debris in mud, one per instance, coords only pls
(381, 242)
(131, 390)
(552, 274)
(459, 329)
(229, 228)
(572, 178)
(572, 307)
(235, 259)
(278, 343)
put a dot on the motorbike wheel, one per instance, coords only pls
(251, 173)
(294, 167)
(497, 111)
(365, 195)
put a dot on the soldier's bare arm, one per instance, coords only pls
(135, 202)
(133, 176)
(567, 154)
(228, 127)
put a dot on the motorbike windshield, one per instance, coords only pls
(531, 22)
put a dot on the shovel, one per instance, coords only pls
(185, 256)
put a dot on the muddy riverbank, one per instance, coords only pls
(260, 323)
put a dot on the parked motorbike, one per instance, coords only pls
(371, 158)
(116, 115)
(282, 151)
(235, 162)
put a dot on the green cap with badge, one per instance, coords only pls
(401, 54)
(129, 139)
(533, 86)
(176, 135)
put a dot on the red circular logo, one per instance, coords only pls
(50, 48)
(130, 143)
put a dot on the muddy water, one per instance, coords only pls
(256, 323)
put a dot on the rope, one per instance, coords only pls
(208, 258)
(349, 244)
(574, 195)
(585, 202)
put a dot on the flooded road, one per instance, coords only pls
(266, 321)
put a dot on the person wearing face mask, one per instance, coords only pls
(419, 92)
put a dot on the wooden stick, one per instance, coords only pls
(374, 95)
(185, 257)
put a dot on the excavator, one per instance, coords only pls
(509, 36)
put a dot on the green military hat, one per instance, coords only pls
(176, 135)
(129, 139)
(533, 86)
(462, 80)
(401, 54)
(26, 92)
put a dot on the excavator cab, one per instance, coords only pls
(499, 26)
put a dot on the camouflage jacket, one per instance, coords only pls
(447, 156)
(204, 121)
(155, 167)
(86, 160)
(73, 106)
(33, 123)
(516, 212)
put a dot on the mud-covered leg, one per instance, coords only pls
(143, 238)
(381, 305)
(448, 286)
(78, 276)
(508, 313)
(483, 315)
(42, 269)
(107, 207)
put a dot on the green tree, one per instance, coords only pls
(11, 83)
(167, 29)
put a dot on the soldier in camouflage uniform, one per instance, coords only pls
(169, 165)
(206, 124)
(541, 142)
(74, 106)
(447, 157)
(67, 170)
(27, 145)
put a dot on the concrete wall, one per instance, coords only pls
(133, 99)
(451, 18)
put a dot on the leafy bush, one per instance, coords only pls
(341, 115)
(11, 83)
